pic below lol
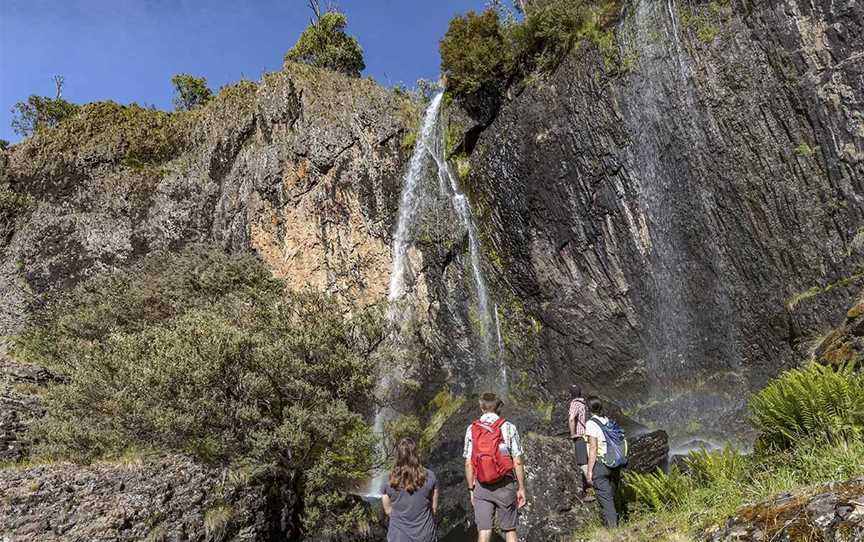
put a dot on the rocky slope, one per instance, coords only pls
(668, 214)
(154, 499)
(304, 168)
(833, 513)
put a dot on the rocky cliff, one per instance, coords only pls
(304, 168)
(680, 216)
(668, 223)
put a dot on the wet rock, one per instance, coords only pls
(833, 513)
(677, 219)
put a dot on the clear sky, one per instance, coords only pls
(127, 50)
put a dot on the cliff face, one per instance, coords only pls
(669, 214)
(303, 168)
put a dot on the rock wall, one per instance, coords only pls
(304, 168)
(154, 499)
(680, 216)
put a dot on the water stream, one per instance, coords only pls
(429, 152)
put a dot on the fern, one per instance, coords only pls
(812, 402)
(711, 467)
(658, 490)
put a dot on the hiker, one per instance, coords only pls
(607, 453)
(576, 419)
(410, 497)
(494, 471)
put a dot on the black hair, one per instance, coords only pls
(575, 391)
(595, 404)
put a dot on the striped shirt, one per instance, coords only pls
(511, 444)
(577, 412)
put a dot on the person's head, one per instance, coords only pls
(489, 402)
(595, 404)
(575, 391)
(408, 474)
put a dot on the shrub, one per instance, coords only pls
(473, 53)
(40, 112)
(325, 44)
(190, 92)
(12, 206)
(206, 354)
(813, 402)
(480, 53)
(4, 144)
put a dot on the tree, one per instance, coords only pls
(325, 44)
(40, 112)
(473, 52)
(208, 354)
(190, 92)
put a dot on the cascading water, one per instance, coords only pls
(430, 146)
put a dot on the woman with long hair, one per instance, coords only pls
(410, 497)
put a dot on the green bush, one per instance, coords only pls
(40, 112)
(325, 44)
(813, 402)
(206, 354)
(190, 92)
(480, 52)
(473, 52)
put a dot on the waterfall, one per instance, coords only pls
(410, 200)
(430, 149)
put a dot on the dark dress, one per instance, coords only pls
(411, 519)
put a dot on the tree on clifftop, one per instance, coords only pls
(40, 112)
(190, 92)
(325, 44)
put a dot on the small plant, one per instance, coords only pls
(804, 150)
(217, 522)
(4, 144)
(190, 92)
(813, 402)
(325, 44)
(658, 490)
(709, 467)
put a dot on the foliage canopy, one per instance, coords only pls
(190, 92)
(40, 112)
(207, 354)
(325, 44)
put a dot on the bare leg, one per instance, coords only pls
(511, 536)
(484, 536)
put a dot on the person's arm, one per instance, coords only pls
(521, 495)
(592, 457)
(571, 419)
(469, 477)
(385, 502)
(435, 501)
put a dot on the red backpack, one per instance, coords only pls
(490, 465)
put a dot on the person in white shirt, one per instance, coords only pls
(604, 479)
(499, 500)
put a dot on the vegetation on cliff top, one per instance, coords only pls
(190, 92)
(811, 423)
(325, 44)
(480, 53)
(207, 354)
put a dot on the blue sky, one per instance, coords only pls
(127, 50)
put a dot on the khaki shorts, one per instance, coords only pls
(496, 501)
